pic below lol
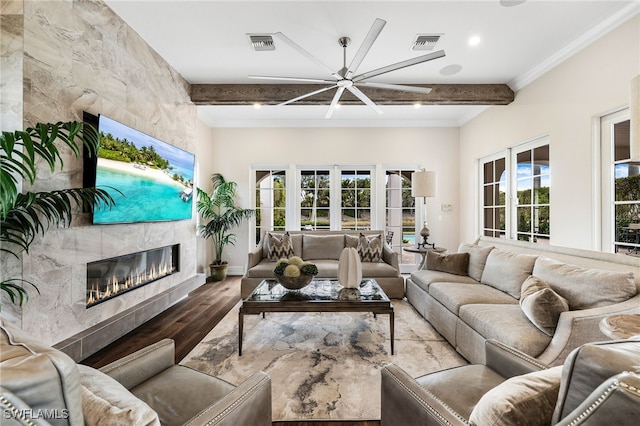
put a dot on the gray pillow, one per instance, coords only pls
(584, 287)
(477, 259)
(322, 246)
(370, 248)
(280, 247)
(455, 263)
(541, 304)
(528, 399)
(507, 271)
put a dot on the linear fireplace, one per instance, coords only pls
(108, 278)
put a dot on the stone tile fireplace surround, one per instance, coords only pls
(67, 57)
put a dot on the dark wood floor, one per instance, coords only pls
(187, 323)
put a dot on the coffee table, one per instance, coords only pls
(321, 295)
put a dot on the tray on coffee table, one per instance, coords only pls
(321, 295)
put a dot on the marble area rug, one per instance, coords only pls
(322, 365)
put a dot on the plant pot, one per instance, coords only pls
(218, 272)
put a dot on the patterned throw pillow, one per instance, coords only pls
(280, 247)
(370, 248)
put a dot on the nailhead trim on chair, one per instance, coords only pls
(122, 362)
(262, 382)
(520, 355)
(616, 384)
(17, 414)
(429, 407)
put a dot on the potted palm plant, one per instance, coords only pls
(220, 214)
(24, 215)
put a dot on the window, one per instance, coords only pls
(532, 200)
(315, 199)
(494, 197)
(514, 193)
(400, 213)
(356, 199)
(621, 187)
(271, 198)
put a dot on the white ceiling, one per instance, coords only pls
(206, 42)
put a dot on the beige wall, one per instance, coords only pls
(234, 151)
(79, 56)
(562, 104)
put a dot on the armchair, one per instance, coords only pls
(598, 381)
(43, 386)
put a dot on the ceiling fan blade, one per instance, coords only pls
(306, 95)
(334, 102)
(306, 54)
(399, 65)
(399, 87)
(308, 80)
(364, 98)
(371, 37)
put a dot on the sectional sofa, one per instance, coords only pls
(323, 248)
(542, 300)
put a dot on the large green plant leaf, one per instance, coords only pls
(23, 216)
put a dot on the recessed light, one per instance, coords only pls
(474, 40)
(257, 105)
(417, 105)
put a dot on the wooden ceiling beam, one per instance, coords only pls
(272, 94)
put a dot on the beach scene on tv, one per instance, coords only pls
(154, 177)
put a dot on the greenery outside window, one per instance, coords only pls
(271, 201)
(400, 218)
(315, 199)
(355, 205)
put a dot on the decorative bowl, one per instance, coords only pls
(294, 283)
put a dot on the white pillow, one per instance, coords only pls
(106, 402)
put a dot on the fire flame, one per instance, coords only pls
(101, 289)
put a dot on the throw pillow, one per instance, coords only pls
(370, 248)
(507, 271)
(280, 247)
(106, 402)
(456, 263)
(541, 305)
(528, 400)
(477, 259)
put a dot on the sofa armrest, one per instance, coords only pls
(575, 328)
(405, 402)
(247, 404)
(141, 365)
(255, 256)
(616, 402)
(389, 256)
(509, 362)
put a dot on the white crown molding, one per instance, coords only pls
(334, 123)
(580, 43)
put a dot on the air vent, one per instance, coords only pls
(261, 42)
(425, 41)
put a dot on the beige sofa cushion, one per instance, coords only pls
(528, 400)
(541, 304)
(507, 324)
(583, 287)
(477, 259)
(454, 295)
(454, 263)
(106, 402)
(322, 246)
(507, 271)
(42, 377)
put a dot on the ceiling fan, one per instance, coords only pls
(346, 78)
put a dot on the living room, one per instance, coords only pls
(61, 59)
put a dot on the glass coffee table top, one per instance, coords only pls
(318, 290)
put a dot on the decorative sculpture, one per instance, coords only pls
(349, 268)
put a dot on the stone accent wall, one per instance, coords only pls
(80, 56)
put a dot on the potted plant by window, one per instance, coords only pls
(26, 214)
(220, 214)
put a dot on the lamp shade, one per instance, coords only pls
(424, 184)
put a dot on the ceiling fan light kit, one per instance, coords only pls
(344, 78)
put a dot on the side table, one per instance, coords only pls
(621, 326)
(422, 251)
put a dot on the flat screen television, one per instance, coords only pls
(155, 179)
